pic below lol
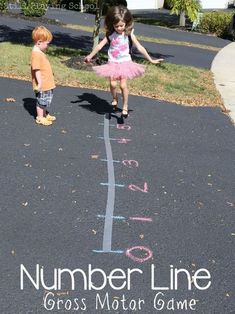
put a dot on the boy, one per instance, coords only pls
(42, 76)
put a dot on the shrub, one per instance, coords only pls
(3, 5)
(217, 23)
(34, 7)
(54, 3)
(168, 4)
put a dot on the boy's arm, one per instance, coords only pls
(142, 50)
(96, 49)
(36, 66)
(38, 78)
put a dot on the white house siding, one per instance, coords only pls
(156, 4)
(214, 4)
(142, 4)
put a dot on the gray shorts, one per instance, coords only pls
(44, 99)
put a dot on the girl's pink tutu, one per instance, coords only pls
(122, 70)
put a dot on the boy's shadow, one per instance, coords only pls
(30, 106)
(98, 105)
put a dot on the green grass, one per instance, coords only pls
(148, 39)
(180, 84)
(156, 22)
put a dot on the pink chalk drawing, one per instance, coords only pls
(123, 140)
(145, 219)
(136, 188)
(123, 127)
(130, 163)
(147, 252)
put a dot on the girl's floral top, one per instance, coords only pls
(119, 48)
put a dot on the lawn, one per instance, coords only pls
(175, 83)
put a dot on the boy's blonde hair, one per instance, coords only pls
(41, 33)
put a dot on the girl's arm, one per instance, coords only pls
(96, 49)
(142, 50)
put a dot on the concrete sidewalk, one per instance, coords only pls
(223, 67)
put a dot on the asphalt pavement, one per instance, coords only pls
(156, 189)
(162, 183)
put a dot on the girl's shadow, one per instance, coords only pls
(98, 105)
(93, 103)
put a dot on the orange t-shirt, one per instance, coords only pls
(40, 62)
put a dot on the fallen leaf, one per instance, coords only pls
(10, 99)
(28, 165)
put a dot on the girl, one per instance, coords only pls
(119, 34)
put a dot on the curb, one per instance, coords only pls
(223, 68)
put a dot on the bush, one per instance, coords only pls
(168, 4)
(34, 7)
(218, 23)
(3, 5)
(54, 3)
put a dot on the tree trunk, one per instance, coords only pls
(182, 18)
(98, 15)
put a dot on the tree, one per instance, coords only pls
(101, 8)
(98, 15)
(185, 7)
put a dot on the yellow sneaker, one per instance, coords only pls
(42, 121)
(50, 118)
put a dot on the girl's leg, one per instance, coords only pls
(125, 92)
(113, 89)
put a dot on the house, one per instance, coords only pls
(215, 4)
(158, 4)
(144, 5)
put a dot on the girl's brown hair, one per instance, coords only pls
(118, 14)
(41, 33)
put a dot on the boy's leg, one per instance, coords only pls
(124, 89)
(113, 89)
(48, 99)
(41, 110)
